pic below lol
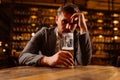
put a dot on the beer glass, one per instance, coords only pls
(68, 43)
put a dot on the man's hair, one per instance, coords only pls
(68, 8)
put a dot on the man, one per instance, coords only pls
(43, 49)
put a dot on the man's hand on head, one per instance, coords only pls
(79, 19)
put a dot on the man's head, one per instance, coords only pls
(64, 20)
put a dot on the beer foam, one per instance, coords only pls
(67, 48)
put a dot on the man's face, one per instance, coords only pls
(65, 23)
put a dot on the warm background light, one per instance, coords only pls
(115, 21)
(115, 37)
(115, 29)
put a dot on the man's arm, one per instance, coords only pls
(86, 48)
(31, 53)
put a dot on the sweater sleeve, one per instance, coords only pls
(86, 48)
(32, 51)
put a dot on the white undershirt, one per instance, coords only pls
(58, 41)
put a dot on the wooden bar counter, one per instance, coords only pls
(90, 72)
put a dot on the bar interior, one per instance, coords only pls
(21, 19)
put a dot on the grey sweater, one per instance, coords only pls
(44, 43)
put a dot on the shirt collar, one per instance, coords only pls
(56, 32)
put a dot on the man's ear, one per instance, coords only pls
(56, 19)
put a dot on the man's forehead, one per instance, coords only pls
(65, 16)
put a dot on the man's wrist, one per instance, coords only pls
(43, 61)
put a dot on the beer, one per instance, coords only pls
(71, 50)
